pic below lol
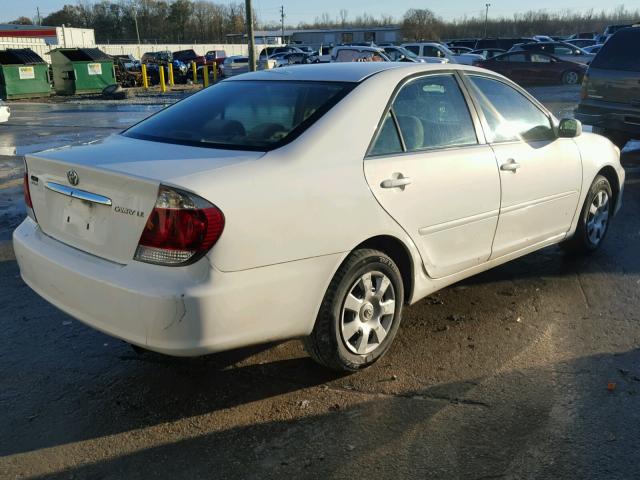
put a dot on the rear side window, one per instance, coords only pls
(431, 113)
(413, 48)
(620, 52)
(387, 142)
(510, 115)
(242, 115)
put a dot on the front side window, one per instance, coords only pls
(431, 51)
(432, 113)
(510, 115)
(413, 48)
(244, 115)
(516, 57)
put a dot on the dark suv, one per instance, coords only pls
(610, 97)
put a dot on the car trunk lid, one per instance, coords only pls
(97, 198)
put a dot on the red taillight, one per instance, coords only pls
(181, 228)
(27, 193)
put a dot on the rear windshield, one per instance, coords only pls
(619, 53)
(242, 114)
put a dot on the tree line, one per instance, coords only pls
(202, 21)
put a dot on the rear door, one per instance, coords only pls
(540, 174)
(543, 67)
(431, 173)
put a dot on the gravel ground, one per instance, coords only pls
(506, 375)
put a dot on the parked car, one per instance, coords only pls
(189, 56)
(191, 232)
(562, 50)
(610, 99)
(488, 52)
(269, 51)
(610, 30)
(291, 58)
(355, 53)
(505, 43)
(588, 35)
(463, 42)
(216, 56)
(324, 53)
(535, 67)
(400, 54)
(457, 50)
(5, 112)
(583, 42)
(593, 49)
(234, 65)
(428, 50)
(542, 38)
(163, 57)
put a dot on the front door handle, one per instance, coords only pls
(396, 182)
(510, 166)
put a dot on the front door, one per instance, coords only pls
(540, 174)
(429, 172)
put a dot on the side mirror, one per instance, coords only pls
(569, 128)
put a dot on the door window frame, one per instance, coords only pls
(471, 107)
(465, 77)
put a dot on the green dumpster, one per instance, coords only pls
(81, 70)
(23, 74)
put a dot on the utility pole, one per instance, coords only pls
(486, 19)
(282, 21)
(39, 20)
(250, 39)
(135, 19)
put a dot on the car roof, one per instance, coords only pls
(342, 71)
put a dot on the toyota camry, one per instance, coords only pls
(312, 201)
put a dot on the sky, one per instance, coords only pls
(307, 10)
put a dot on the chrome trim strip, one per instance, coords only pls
(79, 194)
(493, 214)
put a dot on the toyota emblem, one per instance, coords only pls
(73, 178)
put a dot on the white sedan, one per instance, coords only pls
(312, 201)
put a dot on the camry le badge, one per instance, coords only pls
(73, 178)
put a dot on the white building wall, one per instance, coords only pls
(76, 39)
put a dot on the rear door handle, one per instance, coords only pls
(510, 166)
(396, 182)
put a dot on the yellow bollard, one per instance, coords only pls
(194, 69)
(171, 75)
(205, 75)
(145, 79)
(215, 71)
(163, 86)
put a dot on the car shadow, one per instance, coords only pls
(560, 420)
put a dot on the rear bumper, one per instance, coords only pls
(609, 115)
(177, 311)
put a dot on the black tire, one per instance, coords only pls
(571, 77)
(582, 242)
(326, 344)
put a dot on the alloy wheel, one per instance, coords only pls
(368, 312)
(598, 217)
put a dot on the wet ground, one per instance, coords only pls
(529, 371)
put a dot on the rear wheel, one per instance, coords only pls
(360, 313)
(594, 218)
(570, 77)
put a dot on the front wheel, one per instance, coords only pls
(360, 313)
(570, 78)
(593, 223)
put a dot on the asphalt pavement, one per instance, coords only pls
(528, 371)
